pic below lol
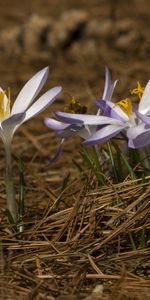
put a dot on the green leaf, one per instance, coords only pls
(83, 173)
(92, 161)
(131, 240)
(112, 160)
(125, 161)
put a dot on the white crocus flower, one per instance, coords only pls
(22, 110)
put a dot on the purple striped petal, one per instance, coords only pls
(103, 135)
(135, 131)
(86, 119)
(112, 110)
(54, 124)
(9, 126)
(58, 153)
(140, 141)
(69, 118)
(105, 109)
(71, 130)
(13, 120)
(144, 118)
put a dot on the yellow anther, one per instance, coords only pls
(4, 109)
(2, 112)
(75, 107)
(138, 91)
(125, 105)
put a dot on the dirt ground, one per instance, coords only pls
(52, 260)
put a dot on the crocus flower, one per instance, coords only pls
(67, 128)
(120, 117)
(22, 110)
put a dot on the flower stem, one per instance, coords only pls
(11, 203)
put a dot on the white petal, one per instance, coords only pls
(107, 83)
(144, 105)
(109, 86)
(42, 103)
(133, 132)
(30, 91)
(84, 133)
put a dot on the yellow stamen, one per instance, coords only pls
(138, 91)
(75, 107)
(4, 111)
(125, 105)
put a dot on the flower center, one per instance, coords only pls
(75, 107)
(138, 91)
(126, 106)
(4, 105)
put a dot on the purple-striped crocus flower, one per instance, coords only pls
(69, 127)
(118, 117)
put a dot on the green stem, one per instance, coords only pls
(11, 203)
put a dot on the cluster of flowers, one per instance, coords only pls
(111, 119)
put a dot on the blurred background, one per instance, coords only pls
(77, 39)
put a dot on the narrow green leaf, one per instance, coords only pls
(112, 160)
(131, 240)
(129, 168)
(89, 159)
(83, 173)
